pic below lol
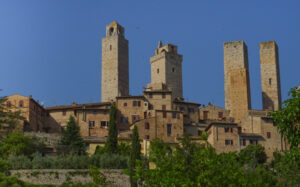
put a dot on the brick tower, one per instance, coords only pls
(270, 78)
(115, 70)
(166, 69)
(237, 83)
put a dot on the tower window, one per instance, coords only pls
(173, 70)
(110, 47)
(21, 103)
(270, 81)
(169, 129)
(157, 71)
(111, 30)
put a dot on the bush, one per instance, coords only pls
(19, 162)
(253, 155)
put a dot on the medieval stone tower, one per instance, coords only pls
(115, 70)
(166, 68)
(270, 78)
(237, 83)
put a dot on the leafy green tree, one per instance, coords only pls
(253, 155)
(135, 154)
(287, 166)
(288, 118)
(18, 144)
(111, 145)
(8, 118)
(191, 164)
(99, 179)
(71, 139)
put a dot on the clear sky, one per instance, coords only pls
(51, 49)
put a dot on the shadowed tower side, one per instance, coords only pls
(270, 75)
(236, 78)
(115, 68)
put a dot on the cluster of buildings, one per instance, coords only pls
(161, 111)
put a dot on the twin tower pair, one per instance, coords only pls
(166, 68)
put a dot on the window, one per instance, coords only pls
(231, 129)
(169, 129)
(64, 112)
(129, 135)
(110, 47)
(174, 115)
(228, 142)
(135, 118)
(205, 114)
(173, 70)
(253, 142)
(147, 137)
(124, 120)
(157, 71)
(164, 114)
(163, 95)
(268, 135)
(84, 116)
(95, 112)
(227, 129)
(104, 123)
(21, 103)
(147, 126)
(181, 108)
(125, 104)
(8, 104)
(243, 142)
(163, 107)
(91, 124)
(270, 81)
(150, 95)
(136, 103)
(190, 110)
(220, 114)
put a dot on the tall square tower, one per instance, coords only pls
(115, 68)
(236, 77)
(166, 69)
(270, 76)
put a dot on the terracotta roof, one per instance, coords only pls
(76, 106)
(251, 135)
(185, 102)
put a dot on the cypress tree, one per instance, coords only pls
(71, 138)
(111, 145)
(135, 154)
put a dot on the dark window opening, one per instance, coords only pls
(173, 70)
(157, 71)
(220, 114)
(269, 135)
(64, 112)
(205, 114)
(125, 104)
(174, 114)
(163, 95)
(190, 110)
(228, 142)
(110, 47)
(104, 123)
(91, 124)
(21, 103)
(147, 126)
(164, 114)
(270, 81)
(169, 129)
(147, 137)
(150, 95)
(163, 107)
(199, 132)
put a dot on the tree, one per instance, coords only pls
(8, 119)
(111, 145)
(288, 118)
(71, 138)
(253, 155)
(135, 154)
(18, 144)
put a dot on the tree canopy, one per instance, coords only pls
(111, 145)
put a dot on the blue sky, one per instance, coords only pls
(51, 49)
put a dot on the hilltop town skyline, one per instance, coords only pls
(66, 67)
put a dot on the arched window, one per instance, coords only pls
(111, 30)
(21, 104)
(147, 126)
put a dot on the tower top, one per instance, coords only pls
(170, 48)
(114, 29)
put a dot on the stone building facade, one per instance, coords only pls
(161, 111)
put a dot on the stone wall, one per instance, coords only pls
(58, 176)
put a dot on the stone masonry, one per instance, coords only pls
(270, 77)
(237, 83)
(115, 68)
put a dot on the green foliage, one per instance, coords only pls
(135, 154)
(13, 181)
(288, 118)
(111, 145)
(18, 144)
(71, 139)
(8, 119)
(97, 176)
(253, 155)
(3, 165)
(287, 166)
(191, 164)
